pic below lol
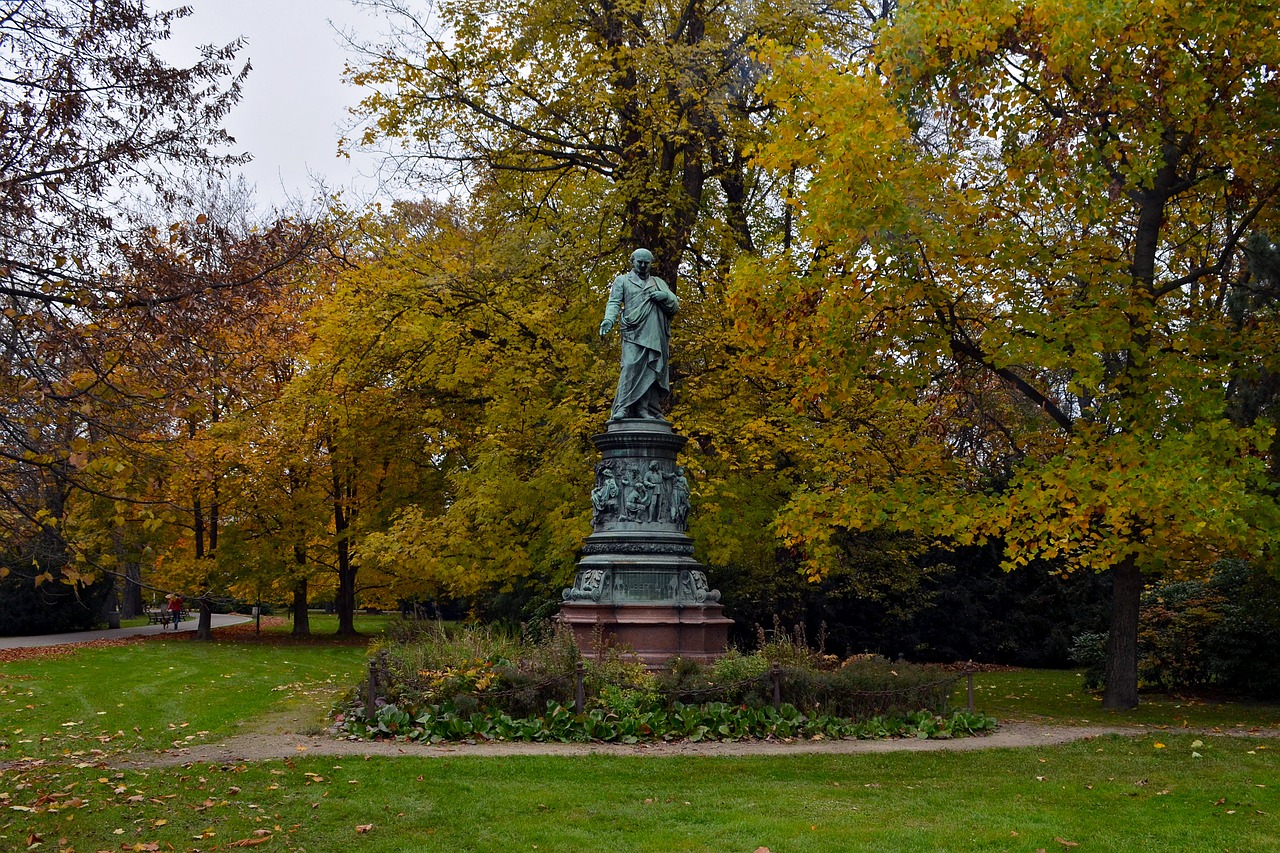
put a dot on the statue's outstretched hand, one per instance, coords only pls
(606, 327)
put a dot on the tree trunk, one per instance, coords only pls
(346, 600)
(204, 630)
(346, 603)
(301, 617)
(133, 605)
(1121, 693)
(109, 615)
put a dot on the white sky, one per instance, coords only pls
(294, 107)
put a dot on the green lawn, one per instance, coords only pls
(1155, 790)
(1058, 696)
(327, 623)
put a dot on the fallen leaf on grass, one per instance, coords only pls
(1065, 843)
(364, 827)
(250, 842)
(762, 850)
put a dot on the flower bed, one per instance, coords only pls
(435, 683)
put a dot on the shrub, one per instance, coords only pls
(1089, 651)
(50, 608)
(479, 682)
(710, 721)
(1220, 633)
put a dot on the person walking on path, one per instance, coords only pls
(175, 609)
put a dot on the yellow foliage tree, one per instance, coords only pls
(1006, 317)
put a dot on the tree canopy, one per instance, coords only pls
(984, 275)
(1023, 224)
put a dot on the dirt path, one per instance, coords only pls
(260, 747)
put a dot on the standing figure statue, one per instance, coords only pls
(653, 500)
(680, 498)
(646, 306)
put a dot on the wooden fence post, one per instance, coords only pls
(579, 693)
(370, 701)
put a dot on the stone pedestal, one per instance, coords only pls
(637, 582)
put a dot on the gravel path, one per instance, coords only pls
(261, 747)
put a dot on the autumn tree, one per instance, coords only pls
(584, 130)
(1023, 224)
(444, 370)
(92, 122)
(147, 454)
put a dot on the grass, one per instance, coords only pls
(327, 623)
(1059, 696)
(1144, 792)
(146, 696)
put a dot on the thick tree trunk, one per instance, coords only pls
(346, 602)
(133, 605)
(204, 629)
(109, 615)
(301, 617)
(346, 599)
(1121, 691)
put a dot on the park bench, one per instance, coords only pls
(161, 617)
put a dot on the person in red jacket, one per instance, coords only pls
(175, 610)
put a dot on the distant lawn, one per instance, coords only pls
(1158, 790)
(1059, 696)
(372, 624)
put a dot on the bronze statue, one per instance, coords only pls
(645, 305)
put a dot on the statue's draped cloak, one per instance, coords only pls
(646, 328)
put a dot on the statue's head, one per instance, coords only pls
(641, 260)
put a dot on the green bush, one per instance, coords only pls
(466, 682)
(1089, 651)
(424, 662)
(1221, 633)
(710, 721)
(50, 608)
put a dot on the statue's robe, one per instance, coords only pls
(643, 310)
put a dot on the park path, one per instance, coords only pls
(220, 620)
(262, 747)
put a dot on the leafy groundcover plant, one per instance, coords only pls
(433, 682)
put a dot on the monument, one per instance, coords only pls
(637, 583)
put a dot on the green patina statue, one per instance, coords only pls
(645, 305)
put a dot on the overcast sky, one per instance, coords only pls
(295, 104)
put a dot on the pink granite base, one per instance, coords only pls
(655, 632)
